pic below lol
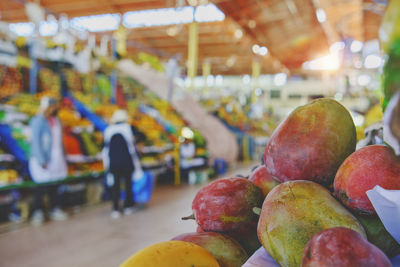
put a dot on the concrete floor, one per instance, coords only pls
(92, 238)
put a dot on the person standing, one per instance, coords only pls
(47, 161)
(121, 160)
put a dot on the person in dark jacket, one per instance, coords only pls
(121, 160)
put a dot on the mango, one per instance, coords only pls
(378, 235)
(172, 254)
(224, 249)
(342, 247)
(311, 143)
(226, 204)
(293, 212)
(246, 236)
(363, 170)
(261, 178)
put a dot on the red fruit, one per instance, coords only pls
(342, 247)
(199, 230)
(311, 143)
(362, 171)
(223, 248)
(226, 204)
(247, 237)
(263, 180)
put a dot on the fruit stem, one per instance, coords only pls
(190, 217)
(257, 210)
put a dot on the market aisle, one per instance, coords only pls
(92, 238)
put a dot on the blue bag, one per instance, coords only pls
(143, 188)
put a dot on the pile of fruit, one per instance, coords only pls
(229, 110)
(8, 174)
(69, 117)
(169, 113)
(154, 131)
(306, 206)
(49, 82)
(25, 103)
(8, 177)
(232, 114)
(81, 142)
(74, 80)
(10, 81)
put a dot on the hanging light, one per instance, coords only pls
(280, 79)
(256, 49)
(238, 34)
(356, 46)
(172, 31)
(263, 51)
(321, 15)
(252, 24)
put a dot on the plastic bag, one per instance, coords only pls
(142, 187)
(387, 206)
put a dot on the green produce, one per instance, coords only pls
(90, 146)
(377, 235)
(293, 212)
(224, 249)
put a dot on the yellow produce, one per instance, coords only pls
(8, 176)
(373, 115)
(171, 254)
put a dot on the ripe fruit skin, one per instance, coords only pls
(362, 171)
(171, 254)
(295, 211)
(226, 204)
(261, 178)
(246, 236)
(311, 143)
(224, 249)
(342, 247)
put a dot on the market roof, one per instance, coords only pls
(294, 31)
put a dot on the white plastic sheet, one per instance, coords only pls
(387, 206)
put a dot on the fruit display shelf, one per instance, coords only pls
(8, 173)
(233, 115)
(85, 176)
(160, 124)
(11, 81)
(248, 131)
(149, 135)
(154, 118)
(82, 142)
(79, 137)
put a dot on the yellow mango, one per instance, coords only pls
(172, 254)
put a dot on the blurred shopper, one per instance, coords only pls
(121, 160)
(47, 162)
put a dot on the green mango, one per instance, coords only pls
(293, 212)
(377, 235)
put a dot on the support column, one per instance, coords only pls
(206, 68)
(255, 74)
(33, 70)
(113, 76)
(193, 47)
